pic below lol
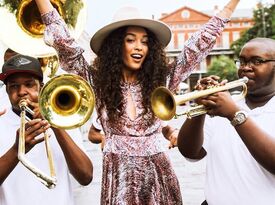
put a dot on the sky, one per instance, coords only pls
(100, 12)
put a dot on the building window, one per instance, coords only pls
(185, 14)
(236, 24)
(236, 35)
(225, 40)
(180, 40)
(171, 44)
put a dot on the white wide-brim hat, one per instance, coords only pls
(130, 16)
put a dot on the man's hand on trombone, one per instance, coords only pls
(33, 129)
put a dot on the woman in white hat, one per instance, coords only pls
(130, 64)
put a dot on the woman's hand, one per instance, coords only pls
(173, 138)
(208, 82)
(170, 134)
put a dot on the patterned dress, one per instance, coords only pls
(136, 170)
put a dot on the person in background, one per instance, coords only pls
(23, 78)
(239, 142)
(4, 100)
(130, 64)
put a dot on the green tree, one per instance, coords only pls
(224, 67)
(264, 18)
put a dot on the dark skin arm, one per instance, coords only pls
(260, 144)
(96, 137)
(190, 138)
(79, 164)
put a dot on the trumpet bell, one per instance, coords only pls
(66, 101)
(163, 104)
(24, 29)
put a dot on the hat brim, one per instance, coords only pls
(161, 30)
(4, 76)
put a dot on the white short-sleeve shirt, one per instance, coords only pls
(21, 186)
(233, 176)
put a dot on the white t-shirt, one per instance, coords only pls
(22, 187)
(4, 98)
(233, 176)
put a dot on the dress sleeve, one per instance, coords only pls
(69, 52)
(197, 47)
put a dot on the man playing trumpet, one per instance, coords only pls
(23, 78)
(239, 143)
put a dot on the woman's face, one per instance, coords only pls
(135, 48)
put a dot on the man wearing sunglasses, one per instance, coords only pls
(239, 143)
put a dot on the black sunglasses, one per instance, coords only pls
(251, 62)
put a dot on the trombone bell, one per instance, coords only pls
(66, 101)
(164, 103)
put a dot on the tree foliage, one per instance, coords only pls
(224, 67)
(264, 18)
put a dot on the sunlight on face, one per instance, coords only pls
(135, 48)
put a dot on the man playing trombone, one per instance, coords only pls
(23, 78)
(239, 142)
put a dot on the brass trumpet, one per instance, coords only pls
(164, 103)
(66, 101)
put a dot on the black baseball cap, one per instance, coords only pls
(21, 64)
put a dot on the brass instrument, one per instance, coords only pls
(49, 181)
(164, 103)
(66, 101)
(49, 65)
(24, 27)
(29, 20)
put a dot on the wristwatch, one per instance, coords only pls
(239, 118)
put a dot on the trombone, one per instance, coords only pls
(48, 181)
(66, 101)
(164, 103)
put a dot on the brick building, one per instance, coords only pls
(185, 21)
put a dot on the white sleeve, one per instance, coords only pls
(208, 131)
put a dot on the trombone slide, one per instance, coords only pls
(48, 181)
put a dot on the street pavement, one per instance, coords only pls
(190, 174)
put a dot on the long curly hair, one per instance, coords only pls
(107, 74)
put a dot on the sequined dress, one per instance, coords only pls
(136, 169)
